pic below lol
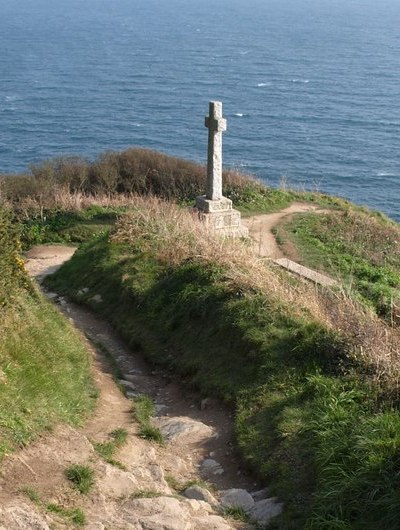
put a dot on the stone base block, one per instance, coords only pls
(208, 206)
(221, 217)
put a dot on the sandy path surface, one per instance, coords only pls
(43, 260)
(147, 466)
(260, 228)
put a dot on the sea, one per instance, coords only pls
(310, 88)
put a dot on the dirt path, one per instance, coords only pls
(141, 495)
(260, 228)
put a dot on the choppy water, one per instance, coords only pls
(310, 88)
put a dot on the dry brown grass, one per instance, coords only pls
(174, 235)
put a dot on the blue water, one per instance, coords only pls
(310, 87)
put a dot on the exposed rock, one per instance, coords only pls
(82, 291)
(179, 427)
(96, 298)
(205, 403)
(263, 511)
(260, 494)
(50, 296)
(168, 513)
(237, 497)
(95, 526)
(115, 483)
(211, 466)
(126, 384)
(22, 517)
(132, 395)
(211, 522)
(200, 494)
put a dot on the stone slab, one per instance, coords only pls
(306, 273)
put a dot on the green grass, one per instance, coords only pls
(237, 513)
(143, 408)
(45, 372)
(81, 476)
(108, 449)
(308, 419)
(362, 250)
(75, 515)
(58, 226)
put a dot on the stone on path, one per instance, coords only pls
(211, 466)
(21, 517)
(265, 510)
(116, 483)
(168, 513)
(236, 497)
(181, 426)
(260, 494)
(200, 494)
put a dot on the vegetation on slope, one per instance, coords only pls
(44, 366)
(70, 199)
(312, 375)
(361, 249)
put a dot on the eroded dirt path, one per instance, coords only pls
(141, 495)
(260, 228)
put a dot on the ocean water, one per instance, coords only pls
(310, 87)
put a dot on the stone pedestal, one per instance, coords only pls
(220, 216)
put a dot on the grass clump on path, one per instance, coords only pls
(312, 375)
(107, 450)
(44, 366)
(81, 476)
(143, 408)
(75, 515)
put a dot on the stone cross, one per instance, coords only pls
(216, 124)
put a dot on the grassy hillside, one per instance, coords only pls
(361, 249)
(312, 374)
(44, 366)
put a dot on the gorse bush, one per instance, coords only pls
(12, 273)
(134, 171)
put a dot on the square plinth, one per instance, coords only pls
(221, 217)
(207, 205)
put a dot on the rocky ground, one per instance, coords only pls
(192, 481)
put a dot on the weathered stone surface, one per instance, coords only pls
(306, 273)
(260, 494)
(95, 526)
(200, 494)
(265, 510)
(126, 384)
(181, 426)
(22, 517)
(211, 466)
(97, 298)
(211, 522)
(216, 125)
(50, 296)
(167, 513)
(208, 206)
(237, 497)
(115, 483)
